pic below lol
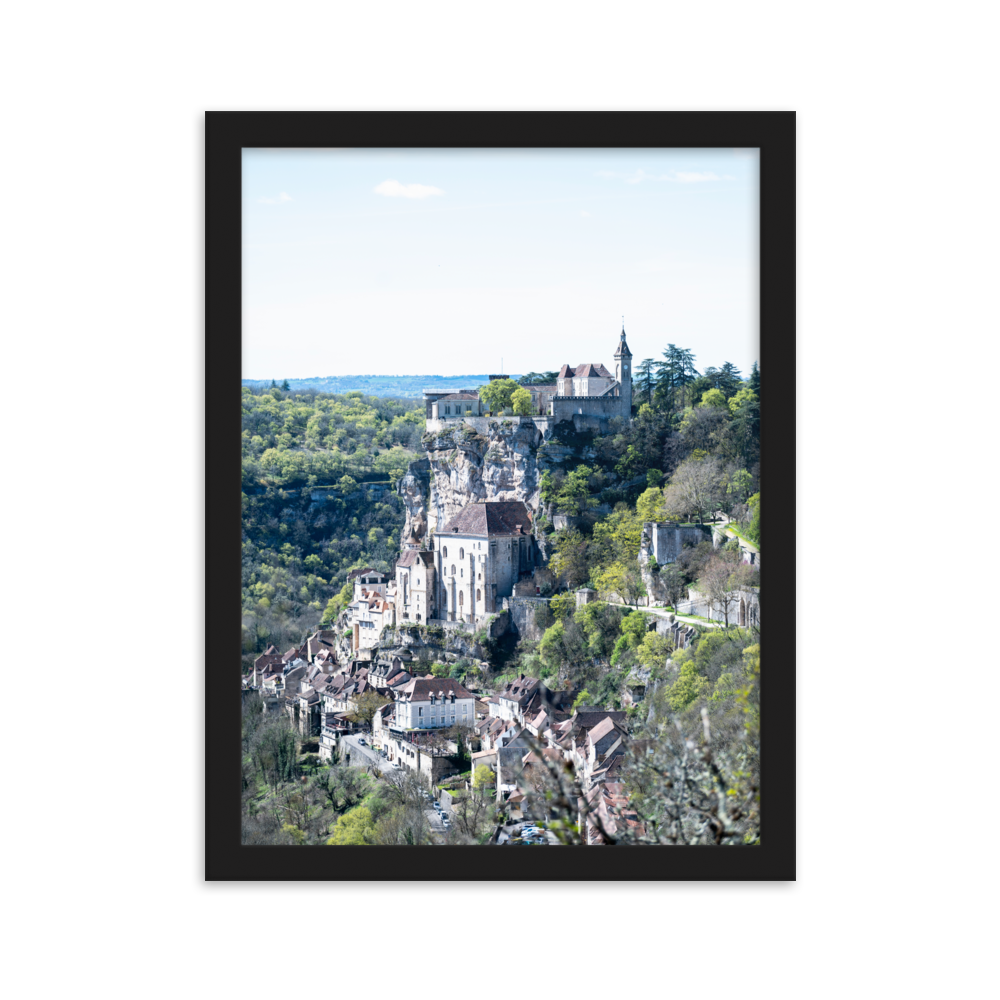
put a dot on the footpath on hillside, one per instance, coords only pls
(663, 613)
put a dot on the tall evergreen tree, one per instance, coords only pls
(754, 379)
(673, 373)
(729, 380)
(645, 379)
(285, 387)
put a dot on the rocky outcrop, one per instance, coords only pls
(414, 489)
(491, 460)
(445, 641)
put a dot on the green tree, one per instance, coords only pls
(654, 649)
(752, 530)
(740, 398)
(496, 395)
(740, 485)
(674, 584)
(298, 836)
(728, 379)
(645, 380)
(745, 427)
(633, 631)
(520, 400)
(366, 705)
(649, 506)
(549, 487)
(285, 387)
(673, 374)
(563, 605)
(754, 380)
(714, 397)
(353, 828)
(570, 563)
(483, 777)
(574, 496)
(688, 688)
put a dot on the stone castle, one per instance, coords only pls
(588, 396)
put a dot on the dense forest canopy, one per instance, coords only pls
(319, 479)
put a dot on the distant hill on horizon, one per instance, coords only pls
(400, 386)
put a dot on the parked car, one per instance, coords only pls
(361, 740)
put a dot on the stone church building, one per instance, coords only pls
(478, 557)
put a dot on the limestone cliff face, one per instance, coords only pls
(493, 460)
(414, 489)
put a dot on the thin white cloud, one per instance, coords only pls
(677, 176)
(393, 189)
(282, 197)
(586, 215)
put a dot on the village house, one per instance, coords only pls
(415, 584)
(433, 703)
(368, 579)
(369, 614)
(322, 642)
(517, 697)
(455, 404)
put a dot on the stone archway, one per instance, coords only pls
(743, 612)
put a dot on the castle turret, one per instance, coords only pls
(623, 374)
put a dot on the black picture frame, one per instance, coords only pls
(227, 134)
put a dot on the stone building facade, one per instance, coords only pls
(588, 395)
(415, 588)
(479, 555)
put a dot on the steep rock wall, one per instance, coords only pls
(465, 465)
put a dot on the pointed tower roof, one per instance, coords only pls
(622, 350)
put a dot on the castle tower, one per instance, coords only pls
(623, 373)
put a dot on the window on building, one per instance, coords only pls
(420, 711)
(461, 553)
(444, 551)
(479, 596)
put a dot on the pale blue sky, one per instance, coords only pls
(445, 261)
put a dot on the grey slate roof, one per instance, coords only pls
(492, 517)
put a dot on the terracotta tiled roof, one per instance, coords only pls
(493, 517)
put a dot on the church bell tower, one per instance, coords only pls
(623, 373)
